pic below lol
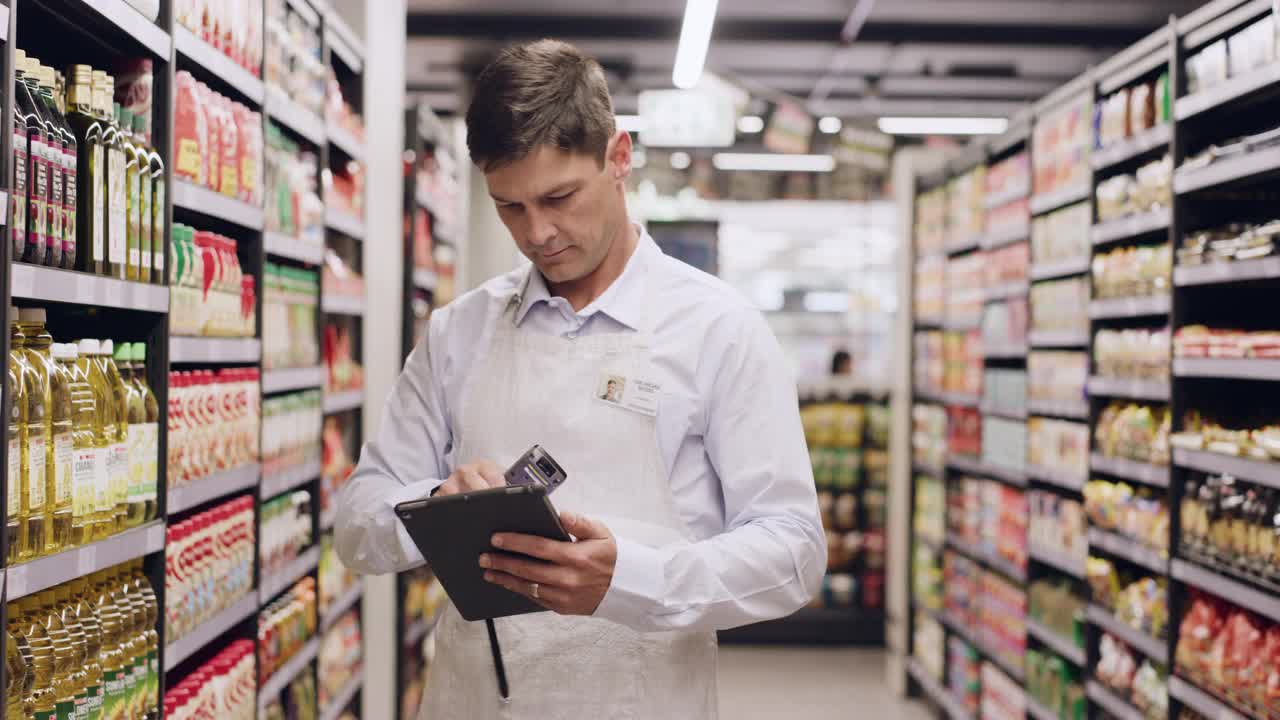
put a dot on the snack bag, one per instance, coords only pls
(190, 130)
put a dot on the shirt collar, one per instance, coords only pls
(623, 300)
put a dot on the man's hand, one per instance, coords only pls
(570, 578)
(480, 475)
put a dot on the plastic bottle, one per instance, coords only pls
(57, 443)
(61, 489)
(34, 443)
(63, 685)
(118, 401)
(79, 675)
(13, 479)
(15, 674)
(149, 429)
(39, 704)
(152, 637)
(104, 430)
(135, 415)
(112, 655)
(84, 455)
(81, 592)
(133, 642)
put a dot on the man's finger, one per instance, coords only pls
(583, 527)
(533, 546)
(530, 570)
(492, 474)
(472, 479)
(550, 598)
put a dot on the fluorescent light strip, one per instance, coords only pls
(943, 125)
(750, 124)
(830, 124)
(695, 37)
(774, 162)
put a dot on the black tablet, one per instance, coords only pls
(452, 531)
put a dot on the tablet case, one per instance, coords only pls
(452, 531)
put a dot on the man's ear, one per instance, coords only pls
(619, 155)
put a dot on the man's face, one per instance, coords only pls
(562, 208)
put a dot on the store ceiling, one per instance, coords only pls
(909, 57)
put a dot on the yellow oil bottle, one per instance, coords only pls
(136, 417)
(119, 433)
(104, 428)
(79, 675)
(39, 704)
(57, 411)
(86, 611)
(31, 520)
(148, 431)
(62, 384)
(86, 457)
(151, 615)
(26, 656)
(15, 666)
(112, 655)
(132, 612)
(13, 478)
(64, 660)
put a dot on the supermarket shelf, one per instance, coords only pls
(1044, 202)
(1056, 476)
(1115, 705)
(420, 628)
(1119, 308)
(1238, 592)
(46, 572)
(1004, 236)
(923, 469)
(343, 699)
(1238, 368)
(1223, 93)
(216, 205)
(933, 543)
(1004, 352)
(340, 305)
(959, 399)
(210, 630)
(276, 482)
(218, 65)
(1057, 559)
(1058, 338)
(1060, 268)
(342, 139)
(1200, 701)
(33, 282)
(284, 110)
(1038, 711)
(1129, 549)
(1060, 645)
(961, 324)
(345, 223)
(1132, 389)
(1131, 227)
(1244, 166)
(1000, 199)
(286, 673)
(273, 584)
(341, 605)
(956, 627)
(999, 564)
(1007, 414)
(1154, 648)
(1221, 273)
(344, 43)
(425, 279)
(308, 13)
(963, 245)
(128, 20)
(1144, 142)
(977, 466)
(343, 401)
(210, 487)
(1006, 291)
(284, 246)
(276, 381)
(1014, 671)
(214, 351)
(1145, 473)
(1078, 410)
(1262, 472)
(937, 693)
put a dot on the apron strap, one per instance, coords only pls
(499, 669)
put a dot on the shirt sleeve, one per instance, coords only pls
(405, 461)
(771, 557)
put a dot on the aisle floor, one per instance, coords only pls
(759, 683)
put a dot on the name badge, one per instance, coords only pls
(629, 393)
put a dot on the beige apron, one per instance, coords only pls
(531, 388)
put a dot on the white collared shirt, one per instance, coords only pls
(728, 431)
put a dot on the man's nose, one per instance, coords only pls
(541, 229)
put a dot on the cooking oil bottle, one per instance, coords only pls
(64, 685)
(118, 400)
(136, 417)
(57, 504)
(81, 592)
(149, 429)
(39, 704)
(112, 654)
(79, 675)
(31, 525)
(104, 427)
(13, 478)
(26, 656)
(85, 456)
(151, 638)
(15, 666)
(61, 456)
(134, 644)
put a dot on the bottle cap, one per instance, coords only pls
(139, 352)
(107, 348)
(123, 352)
(89, 346)
(33, 315)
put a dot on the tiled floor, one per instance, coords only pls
(771, 683)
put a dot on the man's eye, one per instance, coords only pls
(558, 198)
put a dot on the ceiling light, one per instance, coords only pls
(750, 124)
(830, 125)
(943, 125)
(825, 301)
(680, 160)
(773, 162)
(695, 36)
(630, 123)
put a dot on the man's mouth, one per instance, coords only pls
(549, 256)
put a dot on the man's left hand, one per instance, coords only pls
(570, 578)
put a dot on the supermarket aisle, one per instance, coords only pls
(808, 684)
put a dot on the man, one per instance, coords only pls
(611, 392)
(692, 503)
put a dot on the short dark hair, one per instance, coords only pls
(540, 93)
(841, 359)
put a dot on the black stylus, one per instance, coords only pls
(498, 668)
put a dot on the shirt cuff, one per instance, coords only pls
(638, 579)
(412, 491)
(409, 552)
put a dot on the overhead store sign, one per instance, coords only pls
(702, 117)
(790, 129)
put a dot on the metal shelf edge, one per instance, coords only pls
(33, 282)
(280, 481)
(210, 630)
(46, 572)
(293, 572)
(188, 350)
(287, 672)
(215, 63)
(194, 198)
(210, 487)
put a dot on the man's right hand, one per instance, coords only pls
(480, 475)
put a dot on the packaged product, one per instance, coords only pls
(134, 82)
(190, 130)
